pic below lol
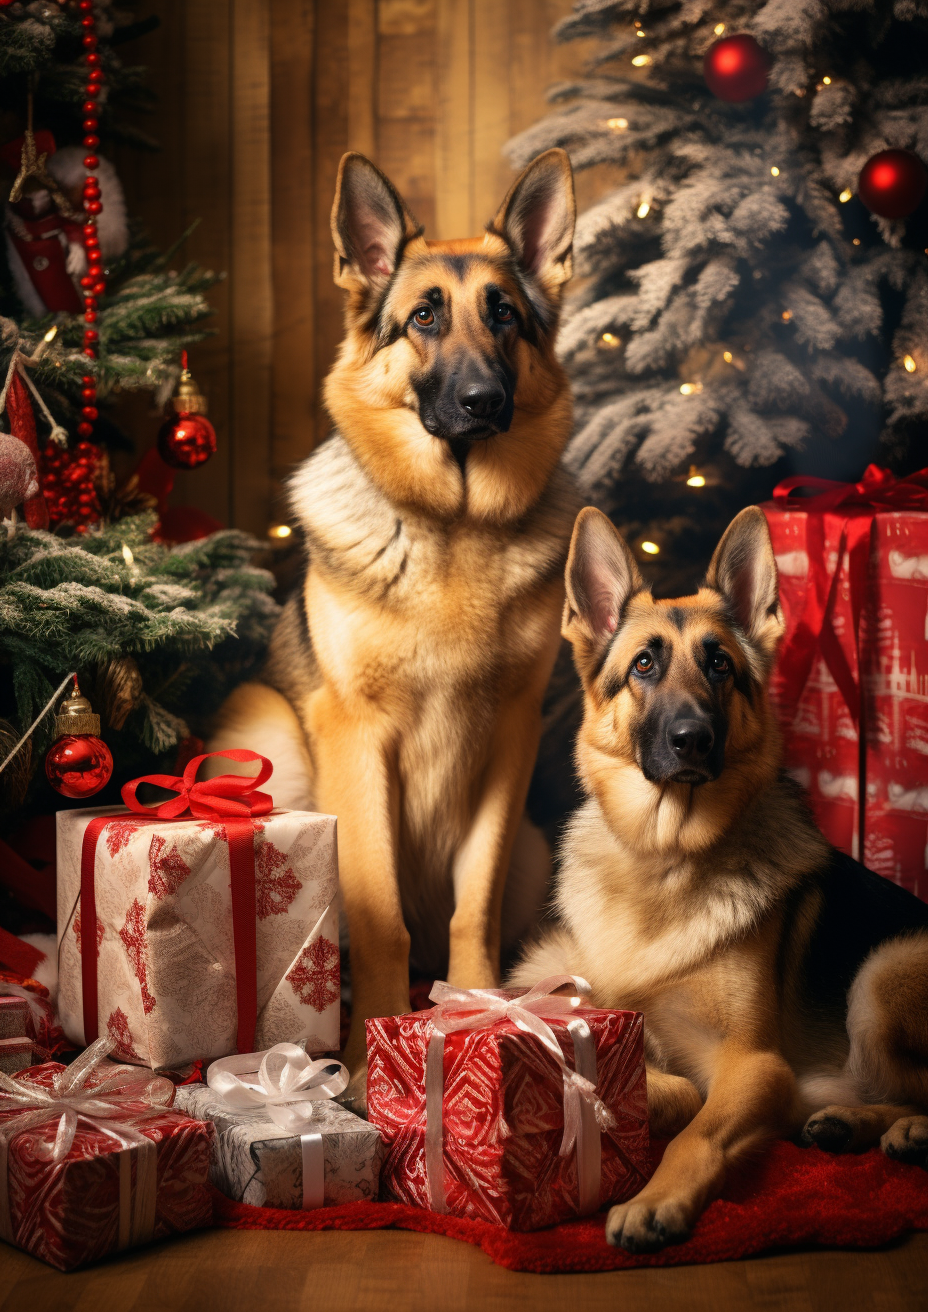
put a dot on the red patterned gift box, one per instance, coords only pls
(853, 565)
(28, 1001)
(519, 1107)
(94, 1160)
(18, 1052)
(215, 922)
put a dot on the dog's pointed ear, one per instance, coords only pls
(601, 576)
(744, 570)
(537, 218)
(370, 224)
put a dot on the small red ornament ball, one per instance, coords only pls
(186, 440)
(892, 183)
(735, 68)
(78, 765)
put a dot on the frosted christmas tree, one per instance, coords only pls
(740, 308)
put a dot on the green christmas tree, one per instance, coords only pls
(157, 634)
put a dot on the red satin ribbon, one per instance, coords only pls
(235, 800)
(879, 489)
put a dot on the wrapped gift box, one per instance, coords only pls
(132, 1172)
(166, 952)
(256, 1161)
(17, 1053)
(854, 590)
(25, 1008)
(14, 1015)
(502, 1114)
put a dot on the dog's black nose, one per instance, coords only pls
(691, 740)
(482, 400)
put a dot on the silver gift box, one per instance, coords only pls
(256, 1161)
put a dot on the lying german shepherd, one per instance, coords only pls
(784, 987)
(404, 684)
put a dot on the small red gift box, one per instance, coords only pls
(25, 1008)
(517, 1107)
(94, 1160)
(16, 1053)
(853, 565)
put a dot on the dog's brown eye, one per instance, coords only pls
(720, 663)
(503, 313)
(424, 316)
(644, 663)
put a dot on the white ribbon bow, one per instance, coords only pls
(286, 1084)
(104, 1107)
(470, 1009)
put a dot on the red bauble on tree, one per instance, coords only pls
(187, 439)
(892, 183)
(79, 762)
(735, 68)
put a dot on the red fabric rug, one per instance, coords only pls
(791, 1198)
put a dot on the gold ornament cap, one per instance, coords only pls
(188, 399)
(75, 715)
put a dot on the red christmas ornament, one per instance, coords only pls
(78, 763)
(69, 483)
(892, 183)
(187, 439)
(735, 68)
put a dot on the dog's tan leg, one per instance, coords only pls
(673, 1101)
(907, 1140)
(357, 783)
(482, 861)
(751, 1099)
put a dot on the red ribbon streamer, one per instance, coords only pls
(879, 489)
(235, 800)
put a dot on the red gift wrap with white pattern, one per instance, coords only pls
(179, 956)
(853, 566)
(135, 1170)
(26, 1009)
(503, 1116)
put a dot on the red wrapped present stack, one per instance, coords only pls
(525, 1108)
(94, 1160)
(853, 564)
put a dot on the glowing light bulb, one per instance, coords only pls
(640, 60)
(644, 209)
(719, 29)
(727, 357)
(845, 195)
(617, 124)
(695, 479)
(127, 554)
(855, 241)
(279, 531)
(640, 33)
(786, 316)
(826, 81)
(650, 547)
(909, 364)
(610, 339)
(688, 389)
(51, 334)
(775, 172)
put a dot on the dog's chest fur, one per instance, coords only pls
(427, 626)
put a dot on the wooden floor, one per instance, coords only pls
(395, 1271)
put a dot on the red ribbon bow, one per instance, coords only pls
(879, 489)
(235, 800)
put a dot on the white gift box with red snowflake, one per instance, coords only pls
(165, 951)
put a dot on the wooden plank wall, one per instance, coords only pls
(258, 101)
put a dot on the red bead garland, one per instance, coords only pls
(92, 284)
(69, 483)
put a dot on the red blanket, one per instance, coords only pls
(791, 1197)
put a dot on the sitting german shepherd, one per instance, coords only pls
(404, 684)
(784, 987)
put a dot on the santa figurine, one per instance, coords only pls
(44, 222)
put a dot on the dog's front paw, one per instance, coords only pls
(907, 1141)
(828, 1130)
(355, 1096)
(644, 1226)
